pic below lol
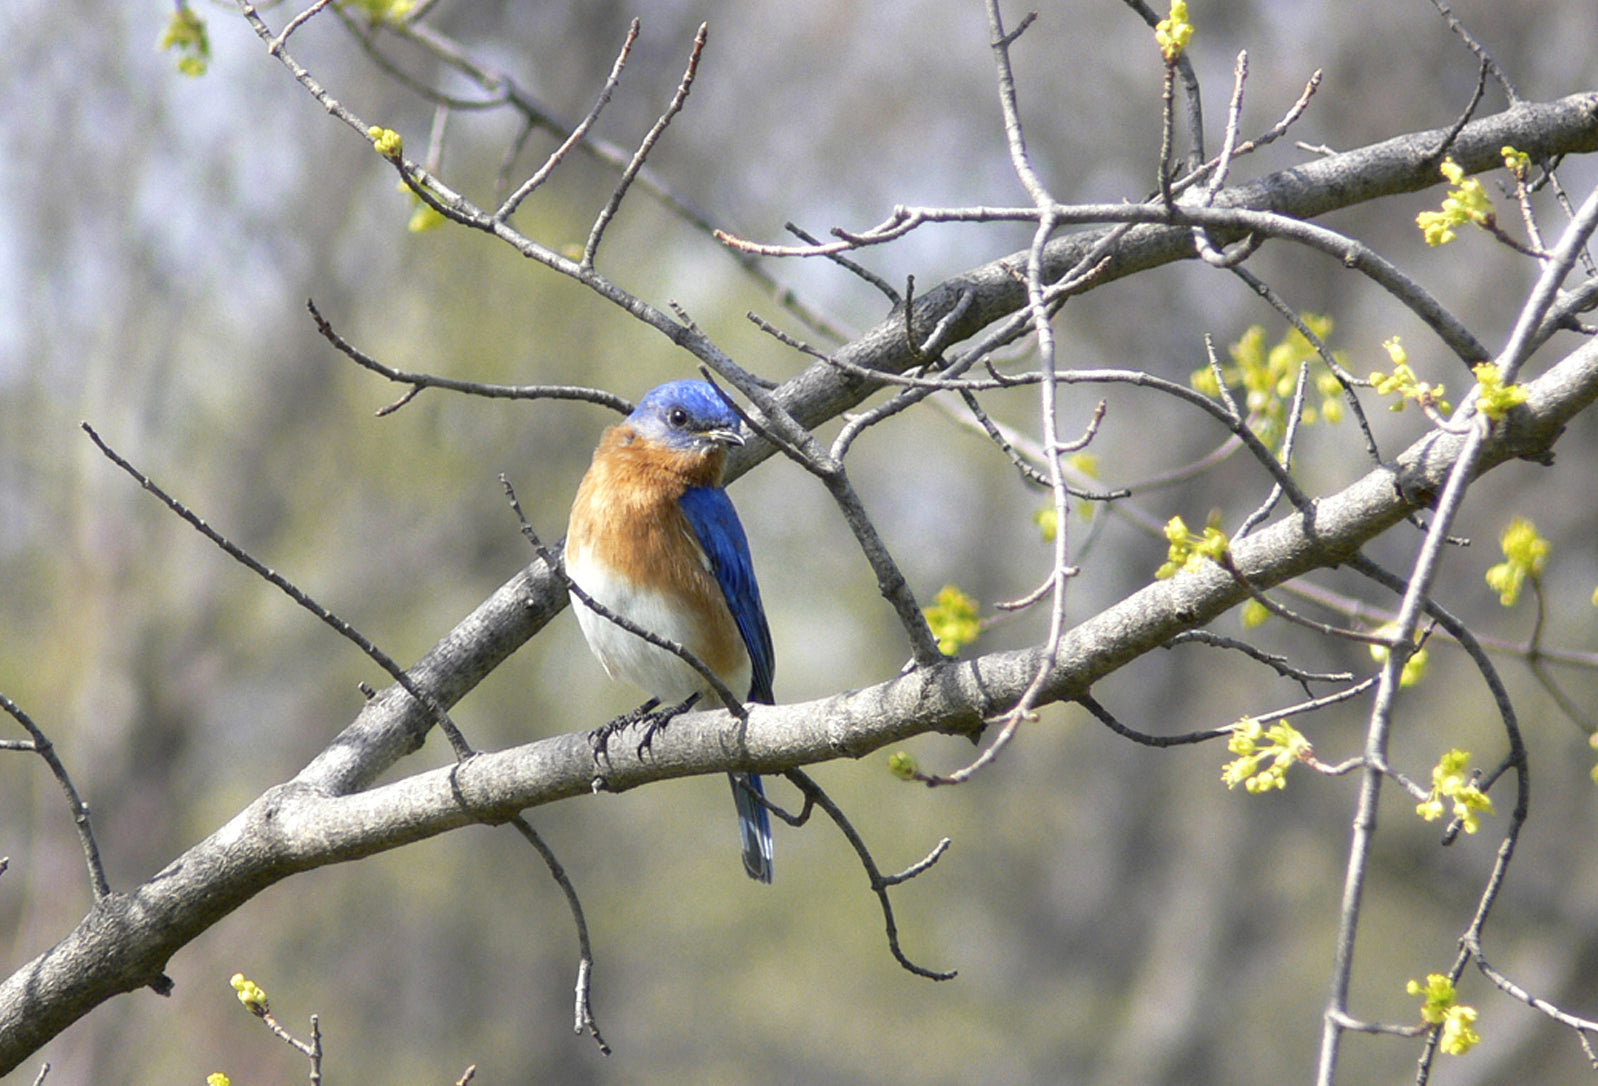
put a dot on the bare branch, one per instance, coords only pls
(1487, 62)
(1107, 718)
(463, 749)
(584, 1022)
(853, 267)
(644, 147)
(1278, 663)
(542, 174)
(1190, 86)
(879, 882)
(276, 45)
(40, 744)
(419, 381)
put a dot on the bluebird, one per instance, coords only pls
(655, 539)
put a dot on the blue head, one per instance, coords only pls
(688, 416)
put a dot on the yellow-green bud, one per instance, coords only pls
(388, 142)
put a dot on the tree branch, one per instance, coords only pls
(319, 818)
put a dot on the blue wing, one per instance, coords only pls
(715, 523)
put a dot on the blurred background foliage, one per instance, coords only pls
(1115, 914)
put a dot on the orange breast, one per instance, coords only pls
(631, 548)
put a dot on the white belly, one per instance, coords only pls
(630, 658)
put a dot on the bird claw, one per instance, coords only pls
(601, 736)
(656, 721)
(649, 714)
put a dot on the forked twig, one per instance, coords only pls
(419, 381)
(608, 212)
(40, 744)
(542, 174)
(879, 882)
(584, 1020)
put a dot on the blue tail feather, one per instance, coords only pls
(754, 825)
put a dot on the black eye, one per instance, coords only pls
(677, 417)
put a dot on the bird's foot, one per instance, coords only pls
(601, 736)
(656, 720)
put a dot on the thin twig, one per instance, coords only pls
(1190, 87)
(1039, 310)
(1377, 732)
(1274, 133)
(1107, 718)
(1546, 290)
(503, 89)
(1383, 640)
(797, 443)
(989, 754)
(282, 1033)
(1582, 1026)
(1344, 378)
(1453, 131)
(276, 45)
(943, 332)
(637, 163)
(1487, 62)
(879, 882)
(1020, 161)
(1278, 663)
(542, 174)
(1007, 441)
(40, 744)
(419, 381)
(1357, 610)
(584, 1021)
(1164, 168)
(1234, 120)
(434, 708)
(851, 266)
(1336, 697)
(1347, 251)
